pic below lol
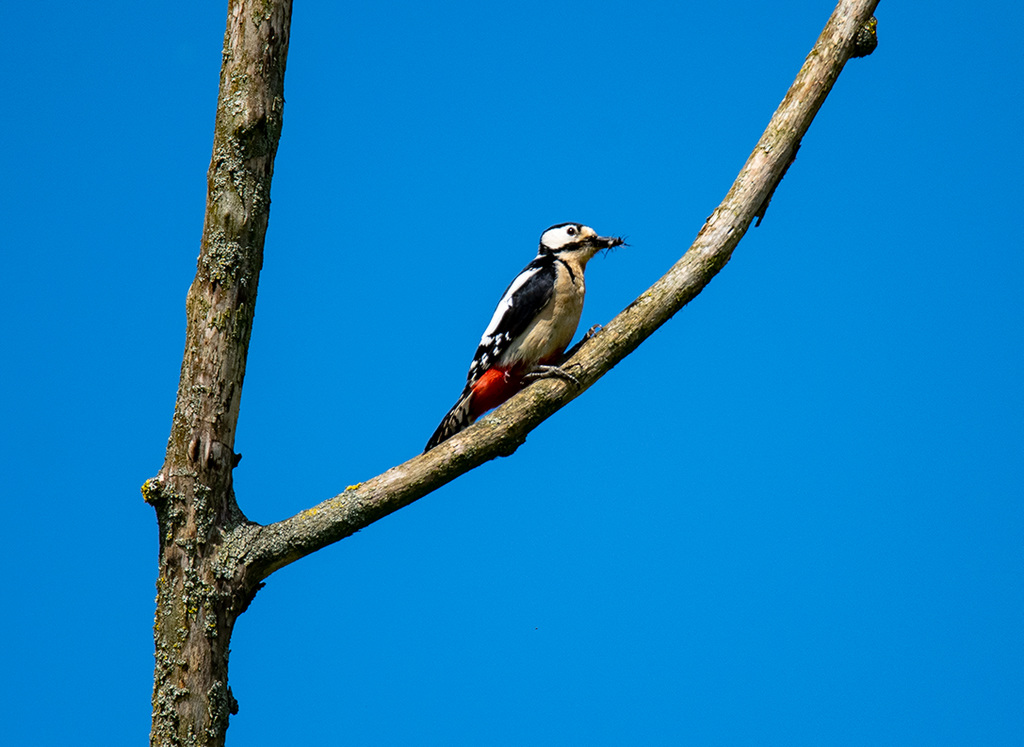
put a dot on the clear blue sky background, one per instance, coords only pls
(793, 517)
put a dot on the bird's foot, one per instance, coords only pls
(550, 372)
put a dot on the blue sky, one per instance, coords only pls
(793, 517)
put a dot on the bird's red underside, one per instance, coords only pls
(498, 385)
(493, 388)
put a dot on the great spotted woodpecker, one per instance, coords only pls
(534, 322)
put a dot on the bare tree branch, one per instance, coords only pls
(257, 552)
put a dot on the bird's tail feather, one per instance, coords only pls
(458, 418)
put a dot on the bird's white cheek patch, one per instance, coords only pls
(555, 238)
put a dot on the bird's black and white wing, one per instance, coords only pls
(531, 291)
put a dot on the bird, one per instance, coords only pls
(534, 322)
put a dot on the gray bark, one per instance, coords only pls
(197, 600)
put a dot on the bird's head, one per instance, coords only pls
(575, 239)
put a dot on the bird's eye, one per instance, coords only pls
(571, 230)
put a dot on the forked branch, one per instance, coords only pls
(263, 550)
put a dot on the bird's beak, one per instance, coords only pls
(607, 242)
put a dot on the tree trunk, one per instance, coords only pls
(198, 597)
